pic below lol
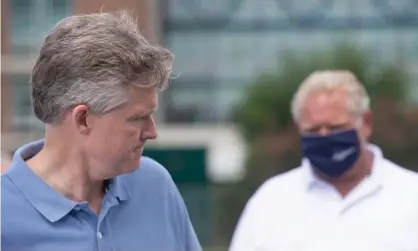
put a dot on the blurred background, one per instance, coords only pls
(224, 124)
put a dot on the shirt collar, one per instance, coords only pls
(312, 180)
(118, 188)
(46, 200)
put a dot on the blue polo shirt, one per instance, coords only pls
(141, 211)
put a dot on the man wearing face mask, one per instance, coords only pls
(345, 195)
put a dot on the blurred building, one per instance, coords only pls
(220, 47)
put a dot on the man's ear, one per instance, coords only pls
(367, 125)
(79, 117)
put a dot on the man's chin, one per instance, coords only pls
(130, 170)
(133, 165)
(125, 167)
(138, 153)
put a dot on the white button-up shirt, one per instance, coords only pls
(297, 211)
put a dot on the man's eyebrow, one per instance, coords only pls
(148, 112)
(153, 110)
(314, 127)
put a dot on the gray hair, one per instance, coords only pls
(358, 99)
(92, 59)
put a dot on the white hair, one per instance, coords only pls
(330, 80)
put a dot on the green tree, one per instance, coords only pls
(265, 121)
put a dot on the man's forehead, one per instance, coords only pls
(140, 104)
(144, 107)
(324, 109)
(326, 117)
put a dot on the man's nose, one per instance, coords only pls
(324, 131)
(150, 131)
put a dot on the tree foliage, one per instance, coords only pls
(266, 104)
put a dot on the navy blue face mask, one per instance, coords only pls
(334, 154)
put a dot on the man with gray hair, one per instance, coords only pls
(345, 195)
(86, 186)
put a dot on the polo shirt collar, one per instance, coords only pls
(311, 179)
(118, 188)
(51, 204)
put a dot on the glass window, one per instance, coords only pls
(226, 44)
(190, 101)
(202, 9)
(31, 20)
(202, 100)
(22, 117)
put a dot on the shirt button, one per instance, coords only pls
(99, 235)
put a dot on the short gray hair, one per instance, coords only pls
(358, 99)
(92, 59)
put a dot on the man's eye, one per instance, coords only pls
(142, 118)
(137, 118)
(312, 130)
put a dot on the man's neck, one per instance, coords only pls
(67, 173)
